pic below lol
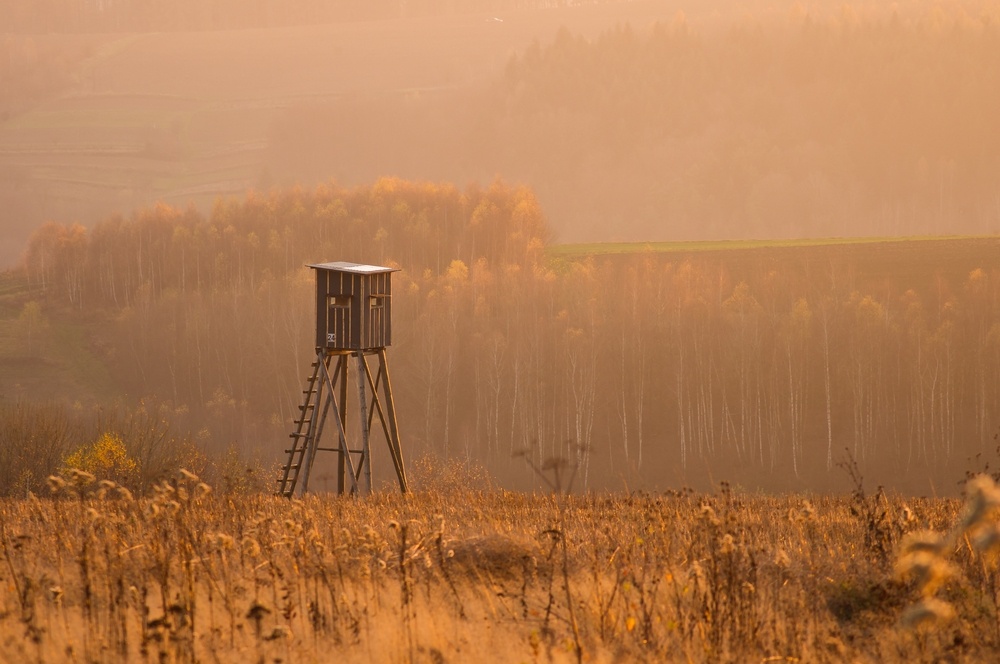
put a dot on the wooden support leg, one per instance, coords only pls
(341, 461)
(390, 413)
(366, 456)
(377, 407)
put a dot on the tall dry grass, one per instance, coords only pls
(92, 574)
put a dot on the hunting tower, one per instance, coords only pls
(353, 321)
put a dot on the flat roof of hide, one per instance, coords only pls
(353, 268)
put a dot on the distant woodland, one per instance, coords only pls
(856, 128)
(845, 127)
(647, 369)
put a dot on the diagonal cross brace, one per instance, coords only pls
(344, 451)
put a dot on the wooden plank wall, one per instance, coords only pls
(361, 326)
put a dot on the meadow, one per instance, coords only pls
(91, 573)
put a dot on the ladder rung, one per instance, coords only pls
(298, 435)
(308, 405)
(337, 449)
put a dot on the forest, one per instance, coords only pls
(767, 366)
(850, 123)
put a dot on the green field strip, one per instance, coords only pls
(613, 248)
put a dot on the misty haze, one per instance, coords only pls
(691, 313)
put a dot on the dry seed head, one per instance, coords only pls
(182, 493)
(250, 547)
(80, 477)
(188, 475)
(930, 570)
(921, 540)
(223, 541)
(987, 539)
(152, 509)
(106, 484)
(165, 488)
(56, 592)
(172, 506)
(781, 559)
(201, 490)
(708, 514)
(279, 632)
(124, 493)
(55, 483)
(808, 511)
(727, 545)
(984, 496)
(927, 611)
(93, 515)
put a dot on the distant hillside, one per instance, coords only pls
(636, 122)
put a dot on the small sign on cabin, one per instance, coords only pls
(353, 306)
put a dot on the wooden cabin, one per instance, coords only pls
(353, 306)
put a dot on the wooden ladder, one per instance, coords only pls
(305, 432)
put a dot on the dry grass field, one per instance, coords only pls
(449, 573)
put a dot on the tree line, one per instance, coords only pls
(646, 368)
